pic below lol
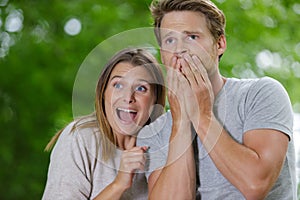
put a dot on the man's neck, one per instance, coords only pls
(217, 82)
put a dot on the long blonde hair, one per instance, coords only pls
(136, 57)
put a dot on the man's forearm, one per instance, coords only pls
(253, 166)
(177, 179)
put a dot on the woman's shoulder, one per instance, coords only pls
(84, 129)
(86, 121)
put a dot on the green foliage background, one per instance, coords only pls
(39, 63)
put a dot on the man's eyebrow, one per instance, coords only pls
(169, 33)
(191, 32)
(179, 33)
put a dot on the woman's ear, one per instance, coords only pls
(161, 57)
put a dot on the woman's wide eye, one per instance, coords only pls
(141, 89)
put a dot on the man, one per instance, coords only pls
(243, 127)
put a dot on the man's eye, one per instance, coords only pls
(169, 41)
(193, 37)
(141, 89)
(118, 85)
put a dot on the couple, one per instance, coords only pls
(223, 138)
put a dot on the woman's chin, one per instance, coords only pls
(130, 130)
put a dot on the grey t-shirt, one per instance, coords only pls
(76, 170)
(241, 105)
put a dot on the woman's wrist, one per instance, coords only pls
(119, 186)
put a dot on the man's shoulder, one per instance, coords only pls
(262, 81)
(243, 86)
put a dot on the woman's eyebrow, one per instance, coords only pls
(144, 80)
(139, 80)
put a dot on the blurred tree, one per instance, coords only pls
(43, 43)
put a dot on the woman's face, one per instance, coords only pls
(128, 98)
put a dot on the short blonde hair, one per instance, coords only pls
(215, 18)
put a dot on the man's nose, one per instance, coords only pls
(181, 49)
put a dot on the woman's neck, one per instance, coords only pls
(125, 142)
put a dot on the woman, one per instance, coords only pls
(95, 156)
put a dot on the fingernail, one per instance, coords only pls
(174, 59)
(145, 148)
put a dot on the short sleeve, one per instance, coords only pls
(156, 137)
(67, 175)
(268, 107)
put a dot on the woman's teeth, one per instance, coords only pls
(126, 115)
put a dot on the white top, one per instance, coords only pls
(76, 170)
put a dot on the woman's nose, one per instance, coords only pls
(128, 96)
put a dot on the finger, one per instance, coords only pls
(172, 80)
(183, 81)
(178, 66)
(199, 71)
(192, 66)
(132, 162)
(135, 153)
(204, 76)
(137, 149)
(145, 148)
(134, 158)
(188, 71)
(201, 68)
(132, 167)
(206, 58)
(140, 149)
(172, 63)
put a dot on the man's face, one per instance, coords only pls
(187, 32)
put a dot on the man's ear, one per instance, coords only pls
(221, 45)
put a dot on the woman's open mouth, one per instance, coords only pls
(126, 115)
